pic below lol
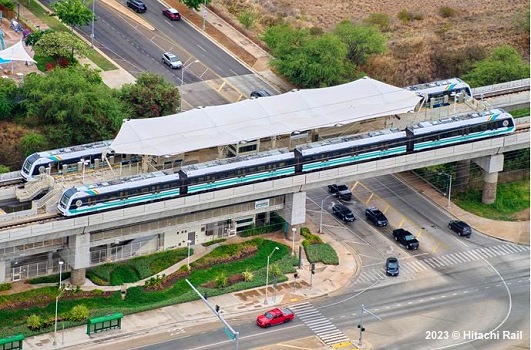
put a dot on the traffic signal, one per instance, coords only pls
(361, 328)
(313, 268)
(217, 309)
(296, 275)
(205, 295)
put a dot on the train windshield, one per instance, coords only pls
(28, 163)
(65, 198)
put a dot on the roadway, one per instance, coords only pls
(138, 49)
(447, 290)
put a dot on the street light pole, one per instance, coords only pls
(204, 15)
(60, 272)
(56, 308)
(267, 274)
(449, 187)
(188, 260)
(92, 32)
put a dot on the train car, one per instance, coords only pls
(119, 193)
(438, 93)
(350, 150)
(37, 163)
(236, 171)
(460, 129)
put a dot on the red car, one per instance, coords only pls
(172, 14)
(274, 317)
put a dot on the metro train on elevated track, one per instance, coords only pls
(437, 91)
(274, 164)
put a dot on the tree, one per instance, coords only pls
(32, 142)
(319, 62)
(283, 39)
(195, 4)
(151, 96)
(32, 38)
(60, 45)
(502, 65)
(362, 40)
(74, 13)
(8, 93)
(71, 106)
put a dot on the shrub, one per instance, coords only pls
(323, 253)
(222, 280)
(49, 278)
(408, 16)
(248, 276)
(34, 322)
(220, 240)
(380, 20)
(96, 292)
(248, 18)
(5, 286)
(446, 12)
(78, 313)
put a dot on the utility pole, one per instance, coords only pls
(360, 326)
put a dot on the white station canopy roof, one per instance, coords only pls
(263, 117)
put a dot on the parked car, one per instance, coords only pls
(171, 60)
(392, 267)
(274, 317)
(460, 227)
(343, 213)
(172, 14)
(260, 93)
(137, 5)
(406, 238)
(340, 191)
(374, 215)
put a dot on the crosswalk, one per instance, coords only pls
(320, 325)
(377, 273)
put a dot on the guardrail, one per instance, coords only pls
(495, 89)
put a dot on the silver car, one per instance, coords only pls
(171, 60)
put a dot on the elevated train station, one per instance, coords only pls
(89, 240)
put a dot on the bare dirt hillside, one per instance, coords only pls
(426, 48)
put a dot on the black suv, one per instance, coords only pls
(340, 191)
(376, 216)
(460, 227)
(137, 5)
(343, 213)
(392, 268)
(406, 238)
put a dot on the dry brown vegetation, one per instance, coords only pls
(420, 50)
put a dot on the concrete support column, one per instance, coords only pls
(3, 271)
(294, 213)
(50, 263)
(490, 183)
(462, 178)
(77, 277)
(267, 218)
(491, 165)
(78, 251)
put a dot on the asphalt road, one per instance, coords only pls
(429, 306)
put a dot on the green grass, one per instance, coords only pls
(511, 198)
(56, 25)
(520, 113)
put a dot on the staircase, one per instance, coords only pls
(33, 188)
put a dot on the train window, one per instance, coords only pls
(144, 190)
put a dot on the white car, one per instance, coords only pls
(171, 60)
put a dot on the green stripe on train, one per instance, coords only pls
(353, 159)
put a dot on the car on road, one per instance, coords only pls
(260, 93)
(137, 5)
(274, 317)
(343, 213)
(340, 191)
(406, 238)
(374, 215)
(171, 60)
(172, 14)
(460, 227)
(392, 267)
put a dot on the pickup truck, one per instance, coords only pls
(406, 238)
(340, 191)
(274, 317)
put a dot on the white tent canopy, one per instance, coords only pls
(16, 52)
(263, 117)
